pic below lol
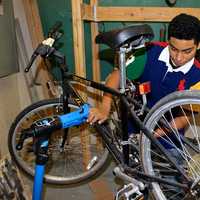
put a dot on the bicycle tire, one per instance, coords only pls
(177, 104)
(63, 167)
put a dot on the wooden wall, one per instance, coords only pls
(111, 11)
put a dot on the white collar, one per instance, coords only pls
(164, 56)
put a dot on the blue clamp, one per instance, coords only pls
(75, 118)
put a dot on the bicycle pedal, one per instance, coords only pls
(129, 192)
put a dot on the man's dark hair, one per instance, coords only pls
(186, 27)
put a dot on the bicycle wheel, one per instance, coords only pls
(67, 165)
(183, 145)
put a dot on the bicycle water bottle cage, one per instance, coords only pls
(132, 36)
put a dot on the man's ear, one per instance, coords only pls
(198, 46)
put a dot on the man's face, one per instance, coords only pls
(181, 51)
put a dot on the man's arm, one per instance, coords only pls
(101, 114)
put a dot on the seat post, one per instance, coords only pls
(122, 68)
(124, 110)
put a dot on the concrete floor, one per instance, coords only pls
(103, 187)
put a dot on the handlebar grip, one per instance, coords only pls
(55, 28)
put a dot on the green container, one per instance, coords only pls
(135, 69)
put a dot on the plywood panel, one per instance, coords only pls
(36, 32)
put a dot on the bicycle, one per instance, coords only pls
(82, 148)
(158, 164)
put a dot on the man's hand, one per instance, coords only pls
(178, 123)
(97, 115)
(101, 114)
(159, 132)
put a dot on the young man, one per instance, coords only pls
(169, 66)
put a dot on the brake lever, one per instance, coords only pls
(40, 50)
(24, 135)
(33, 57)
(44, 49)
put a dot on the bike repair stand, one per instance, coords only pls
(41, 160)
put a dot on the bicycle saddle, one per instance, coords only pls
(118, 37)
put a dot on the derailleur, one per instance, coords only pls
(129, 192)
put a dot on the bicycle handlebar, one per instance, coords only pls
(45, 49)
(48, 125)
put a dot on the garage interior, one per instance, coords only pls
(25, 23)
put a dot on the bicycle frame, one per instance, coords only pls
(123, 158)
(120, 157)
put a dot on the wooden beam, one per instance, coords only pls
(78, 38)
(96, 63)
(95, 47)
(80, 69)
(137, 14)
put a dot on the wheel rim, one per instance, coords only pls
(71, 158)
